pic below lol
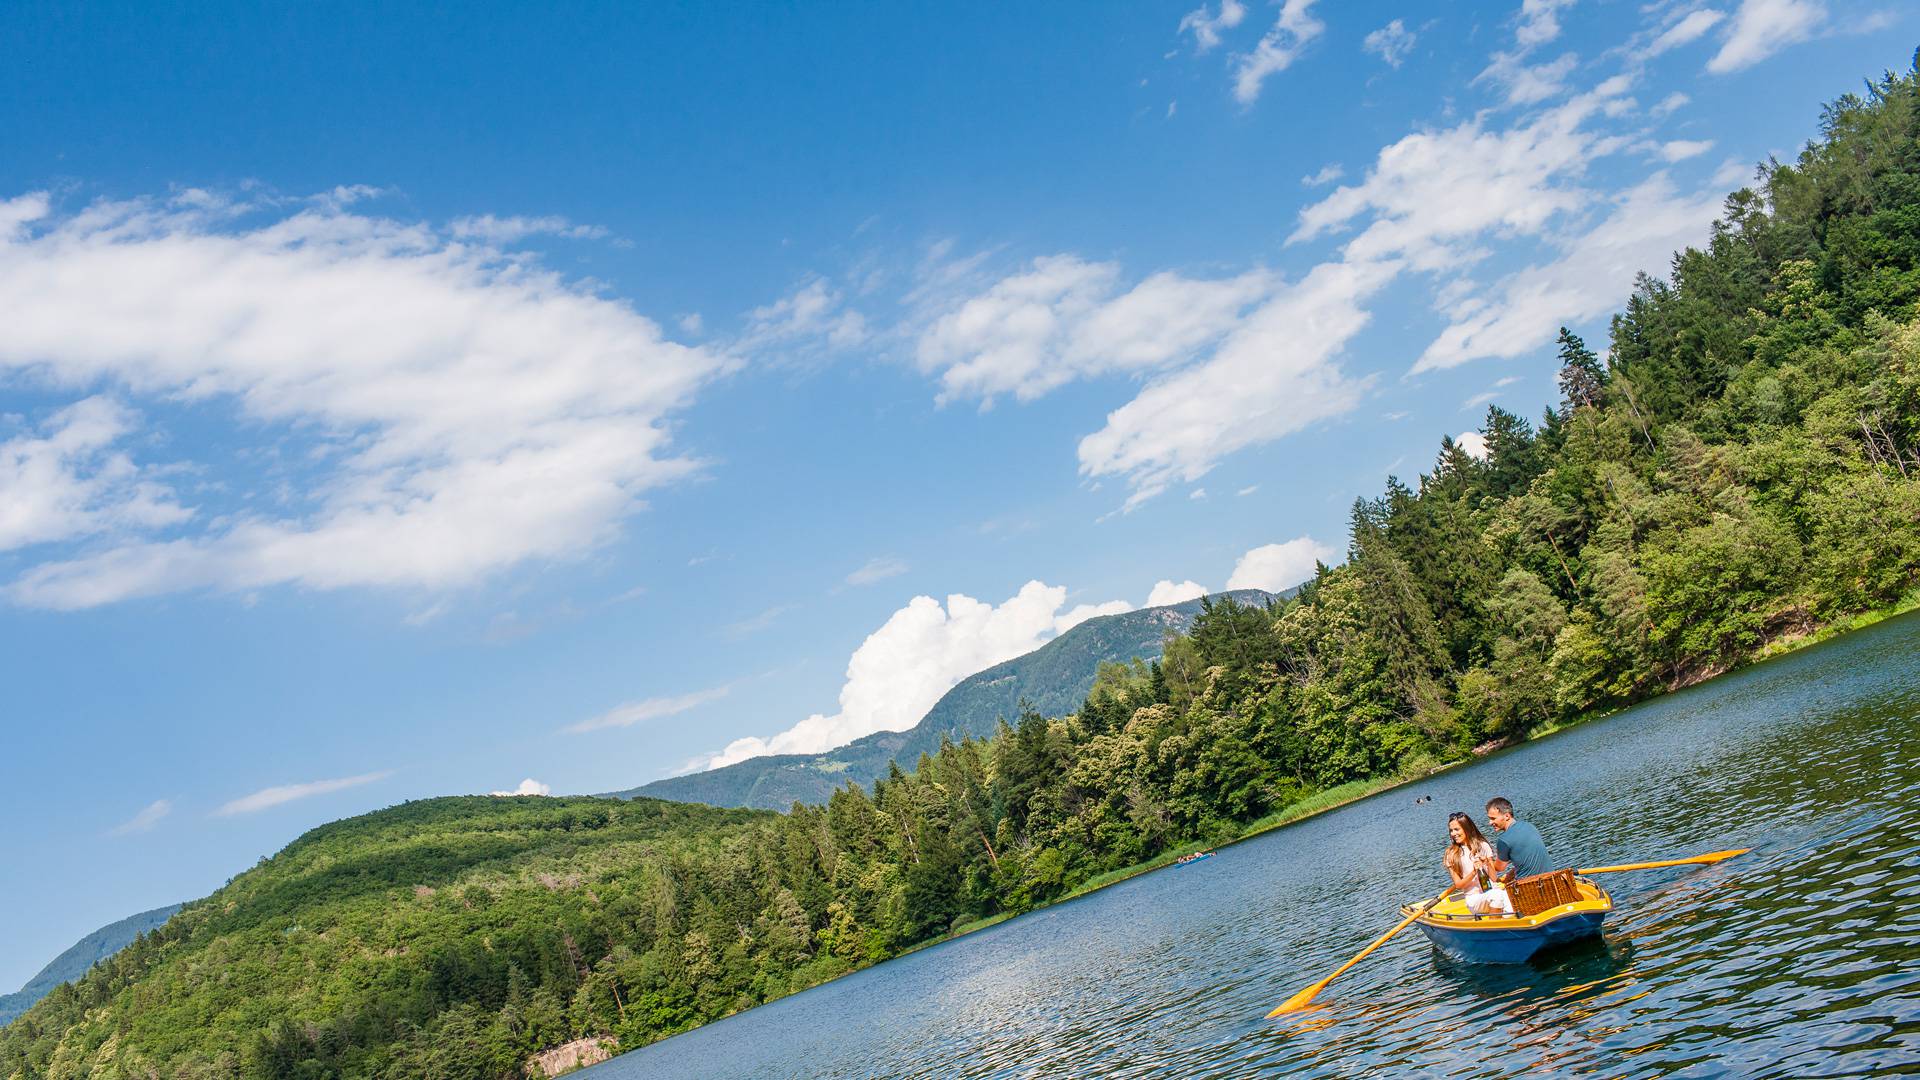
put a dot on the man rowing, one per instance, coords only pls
(1517, 843)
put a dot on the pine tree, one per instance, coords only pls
(1582, 378)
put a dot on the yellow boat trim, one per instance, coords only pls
(1453, 914)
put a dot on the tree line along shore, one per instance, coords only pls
(1742, 470)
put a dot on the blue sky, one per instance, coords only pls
(395, 404)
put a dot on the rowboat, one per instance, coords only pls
(1513, 939)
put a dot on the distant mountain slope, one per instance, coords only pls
(1054, 678)
(83, 954)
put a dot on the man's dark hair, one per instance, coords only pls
(1500, 804)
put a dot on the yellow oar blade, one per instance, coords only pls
(1710, 857)
(1305, 997)
(1300, 1000)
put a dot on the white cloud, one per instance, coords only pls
(286, 793)
(1761, 28)
(470, 410)
(1197, 494)
(507, 230)
(1539, 22)
(1474, 443)
(1648, 223)
(1433, 193)
(1478, 400)
(1685, 31)
(1682, 149)
(815, 313)
(1167, 592)
(1327, 175)
(70, 482)
(1206, 27)
(1275, 374)
(1064, 318)
(145, 820)
(755, 623)
(1391, 43)
(1528, 84)
(1082, 612)
(877, 569)
(529, 786)
(1278, 567)
(1248, 490)
(918, 654)
(654, 708)
(1670, 103)
(1279, 47)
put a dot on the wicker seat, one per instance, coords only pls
(1533, 895)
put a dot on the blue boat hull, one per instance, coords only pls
(1514, 946)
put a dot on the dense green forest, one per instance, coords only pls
(1051, 680)
(1744, 468)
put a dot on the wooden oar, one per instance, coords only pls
(1709, 857)
(1305, 997)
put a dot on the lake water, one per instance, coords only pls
(1800, 959)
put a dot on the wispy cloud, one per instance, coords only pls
(266, 798)
(755, 623)
(507, 230)
(1278, 49)
(1391, 43)
(145, 820)
(1761, 28)
(654, 708)
(876, 570)
(1205, 26)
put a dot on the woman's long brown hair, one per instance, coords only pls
(1474, 837)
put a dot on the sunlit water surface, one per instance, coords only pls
(1801, 959)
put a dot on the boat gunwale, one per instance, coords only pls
(1599, 904)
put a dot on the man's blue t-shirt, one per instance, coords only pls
(1522, 846)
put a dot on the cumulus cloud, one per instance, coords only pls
(653, 708)
(1279, 567)
(1064, 318)
(1761, 28)
(69, 480)
(1474, 443)
(1082, 612)
(466, 410)
(145, 820)
(1528, 84)
(1168, 592)
(1206, 26)
(1391, 43)
(1523, 311)
(1671, 102)
(918, 654)
(876, 570)
(286, 793)
(1279, 47)
(529, 786)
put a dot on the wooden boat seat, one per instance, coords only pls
(1533, 895)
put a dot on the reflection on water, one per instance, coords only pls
(1799, 959)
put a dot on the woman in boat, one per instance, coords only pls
(1475, 870)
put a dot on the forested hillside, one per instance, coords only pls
(1745, 468)
(1052, 680)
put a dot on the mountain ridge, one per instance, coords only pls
(1053, 679)
(80, 956)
